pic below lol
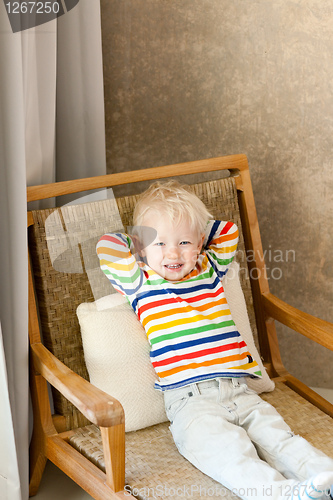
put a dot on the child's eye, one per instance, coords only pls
(185, 243)
(159, 244)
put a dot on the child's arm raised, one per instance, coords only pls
(220, 245)
(118, 263)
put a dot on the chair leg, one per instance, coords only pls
(114, 455)
(37, 465)
(43, 426)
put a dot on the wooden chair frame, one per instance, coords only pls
(49, 441)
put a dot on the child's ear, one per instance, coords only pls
(202, 239)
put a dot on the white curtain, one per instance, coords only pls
(80, 94)
(51, 128)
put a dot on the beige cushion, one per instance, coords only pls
(116, 352)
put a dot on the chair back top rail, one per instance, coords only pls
(44, 191)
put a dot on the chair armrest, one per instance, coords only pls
(314, 328)
(97, 406)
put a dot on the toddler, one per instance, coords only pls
(170, 269)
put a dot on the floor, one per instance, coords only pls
(57, 485)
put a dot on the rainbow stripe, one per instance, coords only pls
(188, 323)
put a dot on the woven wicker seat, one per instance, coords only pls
(85, 436)
(152, 458)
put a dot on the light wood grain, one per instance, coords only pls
(114, 455)
(256, 264)
(33, 325)
(42, 427)
(83, 472)
(233, 162)
(100, 408)
(316, 329)
(308, 394)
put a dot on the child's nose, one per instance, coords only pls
(173, 252)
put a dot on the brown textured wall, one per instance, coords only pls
(191, 79)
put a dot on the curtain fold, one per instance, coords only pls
(39, 52)
(13, 268)
(10, 484)
(51, 127)
(80, 145)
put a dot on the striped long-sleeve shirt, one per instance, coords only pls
(188, 323)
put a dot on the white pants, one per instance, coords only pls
(228, 432)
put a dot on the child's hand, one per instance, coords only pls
(137, 244)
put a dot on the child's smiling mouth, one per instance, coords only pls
(173, 266)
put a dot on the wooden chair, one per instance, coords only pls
(84, 434)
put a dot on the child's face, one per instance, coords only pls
(174, 252)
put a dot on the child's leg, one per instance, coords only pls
(290, 454)
(205, 431)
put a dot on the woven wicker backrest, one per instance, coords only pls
(62, 244)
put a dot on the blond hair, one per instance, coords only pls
(176, 201)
